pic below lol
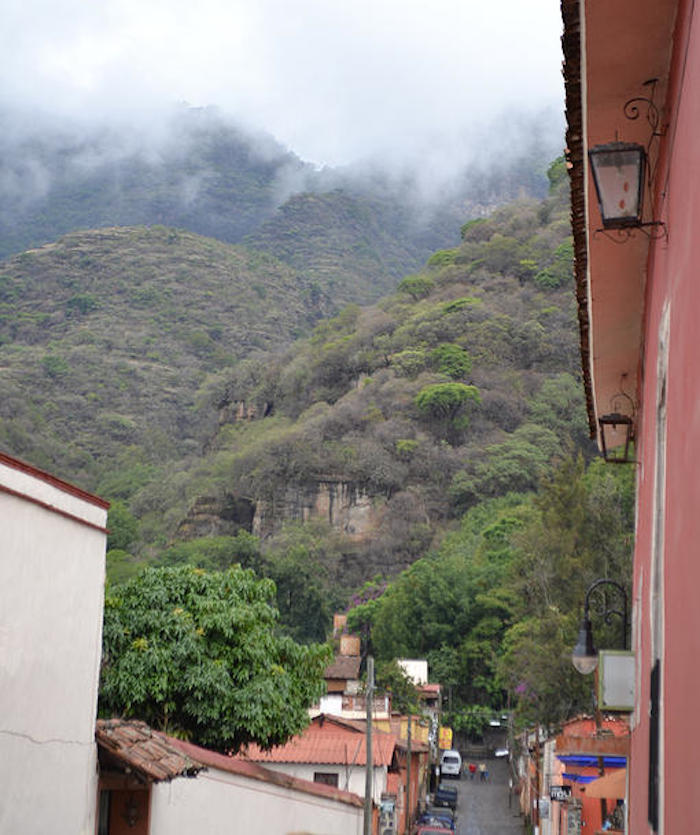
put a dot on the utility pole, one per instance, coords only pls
(369, 694)
(408, 776)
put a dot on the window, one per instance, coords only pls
(327, 778)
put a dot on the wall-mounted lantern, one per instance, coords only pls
(616, 437)
(585, 656)
(622, 171)
(619, 174)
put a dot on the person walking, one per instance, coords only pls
(472, 770)
(482, 772)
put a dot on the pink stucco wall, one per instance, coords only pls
(674, 283)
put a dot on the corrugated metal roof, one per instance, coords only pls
(132, 745)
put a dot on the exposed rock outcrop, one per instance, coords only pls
(216, 516)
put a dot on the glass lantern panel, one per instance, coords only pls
(618, 178)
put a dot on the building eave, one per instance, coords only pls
(610, 51)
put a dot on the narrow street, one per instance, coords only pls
(483, 807)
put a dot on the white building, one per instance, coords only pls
(164, 786)
(415, 669)
(52, 571)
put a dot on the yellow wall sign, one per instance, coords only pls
(445, 739)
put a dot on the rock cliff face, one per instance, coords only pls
(215, 516)
(347, 508)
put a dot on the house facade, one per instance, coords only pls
(631, 71)
(153, 784)
(332, 751)
(52, 575)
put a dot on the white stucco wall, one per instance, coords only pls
(351, 779)
(218, 803)
(52, 568)
(416, 669)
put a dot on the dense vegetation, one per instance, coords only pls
(195, 653)
(446, 422)
(354, 230)
(108, 337)
(458, 388)
(496, 607)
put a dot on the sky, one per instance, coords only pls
(335, 81)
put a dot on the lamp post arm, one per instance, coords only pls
(608, 612)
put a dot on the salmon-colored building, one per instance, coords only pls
(585, 751)
(632, 72)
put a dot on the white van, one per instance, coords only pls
(451, 764)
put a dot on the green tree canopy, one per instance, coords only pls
(445, 400)
(196, 653)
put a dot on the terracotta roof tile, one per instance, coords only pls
(344, 667)
(152, 755)
(255, 771)
(331, 741)
(575, 156)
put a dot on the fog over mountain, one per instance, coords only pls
(335, 83)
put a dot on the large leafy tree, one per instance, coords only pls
(196, 653)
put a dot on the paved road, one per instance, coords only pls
(483, 807)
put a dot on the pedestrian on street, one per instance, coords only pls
(482, 772)
(472, 770)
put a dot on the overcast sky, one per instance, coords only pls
(333, 80)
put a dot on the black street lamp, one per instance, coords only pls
(585, 655)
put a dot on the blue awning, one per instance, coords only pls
(580, 778)
(583, 761)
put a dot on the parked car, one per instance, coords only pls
(445, 796)
(428, 822)
(451, 764)
(442, 811)
(437, 816)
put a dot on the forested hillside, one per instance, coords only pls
(421, 462)
(353, 231)
(108, 339)
(351, 453)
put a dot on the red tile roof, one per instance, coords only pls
(329, 740)
(154, 756)
(130, 744)
(244, 768)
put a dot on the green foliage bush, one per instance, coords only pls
(452, 360)
(442, 258)
(446, 400)
(55, 366)
(196, 653)
(410, 362)
(416, 286)
(122, 526)
(81, 304)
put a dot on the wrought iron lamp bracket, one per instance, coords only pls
(655, 230)
(602, 608)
